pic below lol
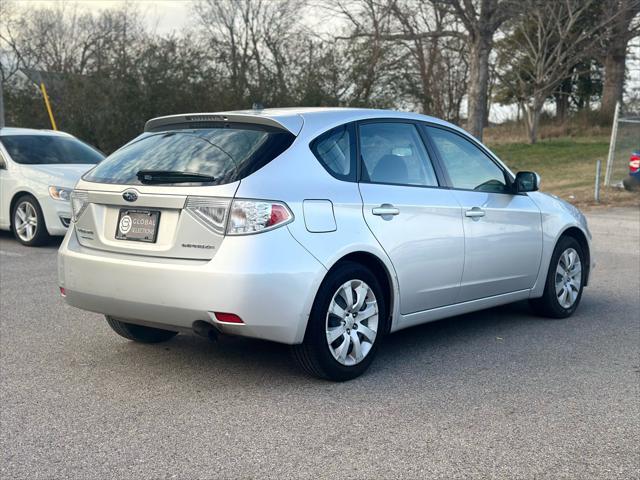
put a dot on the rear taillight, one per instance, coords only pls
(634, 163)
(79, 203)
(254, 216)
(210, 211)
(238, 217)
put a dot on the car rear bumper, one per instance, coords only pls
(268, 280)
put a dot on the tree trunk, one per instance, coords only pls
(614, 67)
(615, 57)
(562, 106)
(478, 83)
(532, 118)
(562, 100)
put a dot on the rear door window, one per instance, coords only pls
(393, 153)
(227, 153)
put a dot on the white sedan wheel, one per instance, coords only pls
(26, 221)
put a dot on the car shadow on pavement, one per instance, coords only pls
(52, 242)
(457, 342)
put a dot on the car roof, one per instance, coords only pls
(5, 131)
(292, 118)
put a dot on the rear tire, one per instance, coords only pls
(563, 276)
(631, 183)
(139, 333)
(349, 307)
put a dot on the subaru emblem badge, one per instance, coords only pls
(130, 196)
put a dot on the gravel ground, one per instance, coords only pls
(499, 393)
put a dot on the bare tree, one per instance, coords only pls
(368, 54)
(413, 51)
(10, 55)
(624, 27)
(481, 20)
(250, 40)
(547, 40)
(427, 27)
(63, 40)
(433, 70)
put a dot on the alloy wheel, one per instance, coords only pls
(26, 221)
(352, 322)
(568, 278)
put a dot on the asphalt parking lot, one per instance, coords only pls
(500, 393)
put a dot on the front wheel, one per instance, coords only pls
(565, 281)
(346, 325)
(139, 333)
(27, 222)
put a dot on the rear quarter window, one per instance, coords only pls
(336, 151)
(228, 152)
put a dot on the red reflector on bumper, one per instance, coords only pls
(228, 318)
(63, 292)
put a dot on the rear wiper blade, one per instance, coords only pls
(172, 176)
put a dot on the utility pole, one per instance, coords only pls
(612, 146)
(37, 78)
(48, 105)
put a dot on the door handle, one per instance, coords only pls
(385, 209)
(475, 212)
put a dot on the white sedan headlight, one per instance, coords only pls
(60, 193)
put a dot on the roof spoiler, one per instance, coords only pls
(291, 123)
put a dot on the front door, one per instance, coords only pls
(417, 223)
(503, 230)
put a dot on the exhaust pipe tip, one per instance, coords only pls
(205, 329)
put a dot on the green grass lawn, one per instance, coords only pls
(567, 166)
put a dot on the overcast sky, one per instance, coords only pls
(166, 15)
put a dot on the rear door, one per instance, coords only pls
(417, 223)
(503, 230)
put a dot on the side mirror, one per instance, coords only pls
(3, 165)
(527, 182)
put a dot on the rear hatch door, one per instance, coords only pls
(159, 223)
(168, 193)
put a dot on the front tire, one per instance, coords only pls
(27, 222)
(139, 333)
(565, 281)
(347, 322)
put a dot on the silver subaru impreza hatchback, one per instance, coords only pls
(325, 229)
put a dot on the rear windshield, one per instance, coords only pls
(227, 153)
(49, 149)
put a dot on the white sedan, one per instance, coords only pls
(38, 170)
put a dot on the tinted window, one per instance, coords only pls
(468, 167)
(336, 150)
(49, 149)
(228, 153)
(394, 153)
